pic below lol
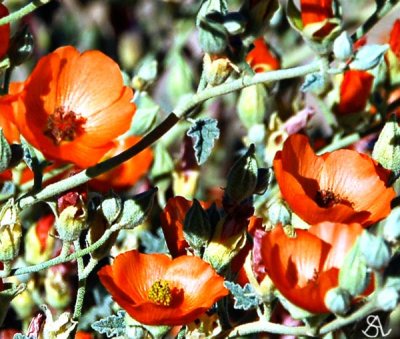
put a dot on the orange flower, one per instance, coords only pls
(317, 11)
(260, 58)
(74, 106)
(7, 103)
(128, 173)
(306, 267)
(4, 33)
(83, 335)
(354, 92)
(394, 41)
(342, 186)
(157, 290)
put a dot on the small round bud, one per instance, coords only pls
(387, 299)
(10, 232)
(278, 213)
(71, 222)
(338, 300)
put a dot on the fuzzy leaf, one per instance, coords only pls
(245, 297)
(153, 243)
(368, 57)
(113, 325)
(21, 336)
(203, 132)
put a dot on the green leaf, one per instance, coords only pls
(153, 243)
(145, 115)
(5, 152)
(113, 325)
(245, 297)
(368, 57)
(203, 132)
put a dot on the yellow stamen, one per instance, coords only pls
(160, 293)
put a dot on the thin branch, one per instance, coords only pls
(29, 8)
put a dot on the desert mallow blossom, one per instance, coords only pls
(157, 290)
(341, 186)
(74, 105)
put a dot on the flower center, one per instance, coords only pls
(325, 198)
(160, 293)
(63, 125)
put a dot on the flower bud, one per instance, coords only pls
(343, 46)
(58, 291)
(71, 222)
(387, 299)
(21, 47)
(136, 209)
(5, 152)
(391, 229)
(197, 227)
(39, 242)
(220, 250)
(10, 232)
(6, 296)
(387, 148)
(60, 328)
(98, 225)
(338, 300)
(242, 177)
(216, 69)
(252, 105)
(73, 215)
(375, 251)
(278, 213)
(23, 304)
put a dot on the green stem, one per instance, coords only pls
(29, 8)
(80, 294)
(338, 323)
(264, 327)
(181, 112)
(72, 256)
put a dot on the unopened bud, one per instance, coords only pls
(136, 209)
(60, 328)
(216, 70)
(197, 228)
(252, 105)
(10, 232)
(387, 299)
(21, 47)
(343, 46)
(338, 300)
(98, 225)
(58, 292)
(387, 148)
(242, 177)
(39, 240)
(391, 229)
(375, 251)
(278, 213)
(71, 222)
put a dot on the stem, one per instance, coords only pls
(172, 119)
(361, 313)
(89, 268)
(72, 256)
(29, 8)
(80, 294)
(264, 327)
(374, 18)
